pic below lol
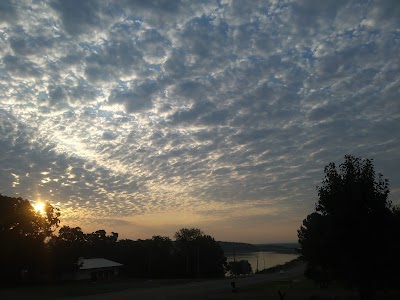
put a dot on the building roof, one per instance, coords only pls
(97, 263)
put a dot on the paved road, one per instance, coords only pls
(205, 289)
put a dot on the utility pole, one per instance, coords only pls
(257, 265)
(198, 261)
(150, 264)
(187, 263)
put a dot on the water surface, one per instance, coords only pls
(265, 259)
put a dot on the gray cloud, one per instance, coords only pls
(22, 68)
(121, 110)
(138, 98)
(7, 12)
(113, 59)
(78, 16)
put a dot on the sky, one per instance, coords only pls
(144, 117)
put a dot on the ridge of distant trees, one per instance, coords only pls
(235, 247)
(33, 249)
(353, 236)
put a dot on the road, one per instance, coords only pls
(204, 289)
(160, 290)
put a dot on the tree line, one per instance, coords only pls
(35, 248)
(353, 236)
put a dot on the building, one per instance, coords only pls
(97, 269)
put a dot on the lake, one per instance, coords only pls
(265, 259)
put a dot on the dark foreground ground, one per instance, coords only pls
(262, 286)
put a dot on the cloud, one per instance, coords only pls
(138, 98)
(78, 16)
(113, 59)
(21, 68)
(383, 14)
(107, 135)
(26, 45)
(7, 12)
(129, 110)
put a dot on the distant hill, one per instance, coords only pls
(230, 247)
(279, 248)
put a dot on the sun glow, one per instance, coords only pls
(39, 207)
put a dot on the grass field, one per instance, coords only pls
(301, 289)
(83, 288)
(295, 288)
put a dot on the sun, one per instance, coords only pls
(39, 207)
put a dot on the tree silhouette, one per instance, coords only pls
(349, 234)
(31, 250)
(100, 244)
(66, 248)
(242, 267)
(186, 235)
(160, 256)
(199, 254)
(23, 233)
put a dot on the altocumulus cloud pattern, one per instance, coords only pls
(143, 116)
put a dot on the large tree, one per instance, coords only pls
(350, 234)
(65, 250)
(72, 243)
(23, 233)
(199, 254)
